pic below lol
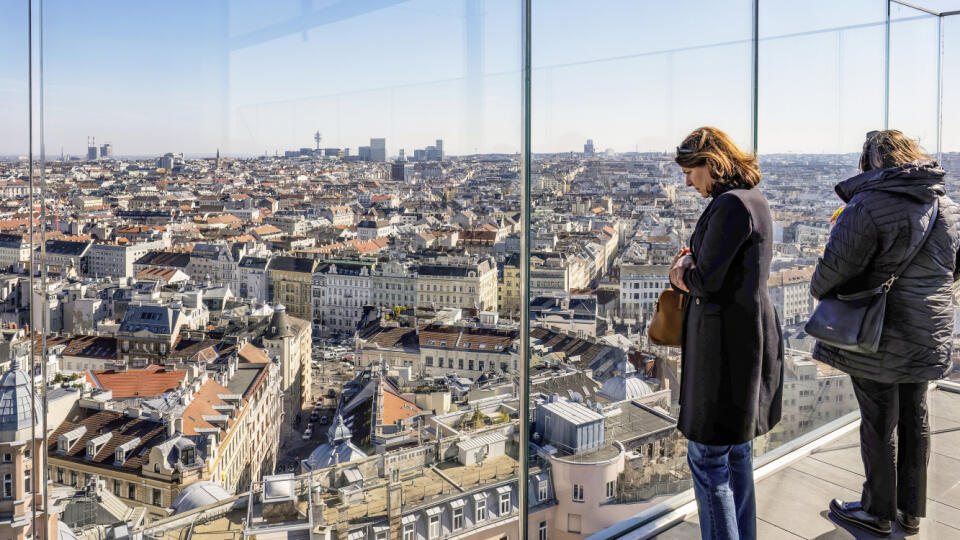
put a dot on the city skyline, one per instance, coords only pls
(259, 86)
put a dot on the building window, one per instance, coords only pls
(542, 531)
(116, 488)
(434, 528)
(408, 531)
(382, 535)
(73, 479)
(7, 458)
(578, 493)
(59, 475)
(504, 504)
(457, 519)
(132, 492)
(7, 486)
(156, 497)
(26, 481)
(611, 488)
(542, 491)
(481, 513)
(430, 361)
(573, 523)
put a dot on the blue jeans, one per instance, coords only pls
(723, 485)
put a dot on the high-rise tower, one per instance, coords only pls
(317, 138)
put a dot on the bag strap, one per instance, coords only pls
(916, 248)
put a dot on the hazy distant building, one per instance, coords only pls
(106, 150)
(588, 149)
(401, 171)
(170, 161)
(430, 153)
(363, 153)
(93, 152)
(331, 152)
(378, 149)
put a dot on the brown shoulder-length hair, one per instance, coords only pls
(889, 148)
(730, 166)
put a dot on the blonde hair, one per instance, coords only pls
(728, 164)
(889, 148)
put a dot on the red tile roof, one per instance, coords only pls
(149, 382)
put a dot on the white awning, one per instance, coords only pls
(411, 518)
(479, 496)
(357, 534)
(434, 511)
(380, 528)
(459, 503)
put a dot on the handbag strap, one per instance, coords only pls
(888, 284)
(916, 248)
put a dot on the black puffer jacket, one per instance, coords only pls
(886, 213)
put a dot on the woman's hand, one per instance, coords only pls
(679, 267)
(684, 250)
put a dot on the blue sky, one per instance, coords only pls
(193, 76)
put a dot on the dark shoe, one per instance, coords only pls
(854, 514)
(909, 524)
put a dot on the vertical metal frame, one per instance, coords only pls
(940, 48)
(755, 79)
(886, 71)
(525, 206)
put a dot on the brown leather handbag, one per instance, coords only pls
(666, 328)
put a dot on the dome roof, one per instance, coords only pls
(621, 388)
(15, 398)
(199, 494)
(338, 450)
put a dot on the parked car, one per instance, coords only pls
(324, 420)
(307, 433)
(314, 416)
(331, 393)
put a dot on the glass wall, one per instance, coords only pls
(914, 61)
(286, 239)
(13, 92)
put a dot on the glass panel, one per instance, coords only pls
(914, 51)
(615, 90)
(328, 174)
(821, 90)
(13, 92)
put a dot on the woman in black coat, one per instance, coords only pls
(732, 355)
(888, 207)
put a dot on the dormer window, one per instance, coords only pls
(122, 451)
(482, 346)
(96, 444)
(66, 441)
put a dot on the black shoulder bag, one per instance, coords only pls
(854, 322)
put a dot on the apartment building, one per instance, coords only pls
(466, 351)
(291, 279)
(116, 260)
(227, 432)
(640, 287)
(458, 284)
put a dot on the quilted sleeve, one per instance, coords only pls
(849, 251)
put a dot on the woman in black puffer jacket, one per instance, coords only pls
(888, 208)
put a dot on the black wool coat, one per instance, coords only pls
(732, 357)
(886, 213)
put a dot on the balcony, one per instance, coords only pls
(796, 483)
